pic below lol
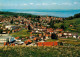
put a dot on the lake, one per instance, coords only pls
(58, 13)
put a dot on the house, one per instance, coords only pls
(6, 39)
(30, 32)
(67, 34)
(70, 25)
(47, 36)
(42, 38)
(4, 35)
(50, 43)
(4, 32)
(40, 29)
(40, 35)
(59, 30)
(39, 44)
(16, 37)
(19, 42)
(59, 34)
(47, 44)
(28, 41)
(0, 22)
(10, 27)
(8, 32)
(31, 36)
(35, 39)
(75, 36)
(50, 30)
(78, 37)
(12, 31)
(16, 23)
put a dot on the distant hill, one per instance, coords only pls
(16, 14)
(75, 16)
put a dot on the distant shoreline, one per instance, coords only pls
(58, 13)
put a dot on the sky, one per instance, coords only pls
(39, 4)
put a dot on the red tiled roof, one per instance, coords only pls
(35, 38)
(29, 40)
(16, 37)
(47, 43)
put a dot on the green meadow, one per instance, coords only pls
(22, 33)
(23, 51)
(66, 23)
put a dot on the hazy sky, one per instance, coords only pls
(39, 4)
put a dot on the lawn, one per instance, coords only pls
(23, 51)
(71, 41)
(51, 40)
(22, 33)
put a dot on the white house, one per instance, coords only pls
(6, 39)
(10, 27)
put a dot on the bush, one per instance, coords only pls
(1, 31)
(54, 36)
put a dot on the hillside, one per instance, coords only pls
(70, 25)
(16, 14)
(70, 47)
(23, 51)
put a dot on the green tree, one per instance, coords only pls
(29, 27)
(77, 15)
(1, 31)
(62, 26)
(11, 21)
(51, 23)
(16, 15)
(54, 36)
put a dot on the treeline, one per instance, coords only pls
(72, 17)
(17, 14)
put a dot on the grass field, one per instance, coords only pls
(66, 41)
(23, 51)
(75, 22)
(22, 33)
(51, 40)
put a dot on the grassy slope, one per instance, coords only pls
(22, 33)
(68, 22)
(75, 22)
(19, 51)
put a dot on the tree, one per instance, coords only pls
(62, 26)
(70, 18)
(29, 27)
(77, 15)
(1, 31)
(51, 23)
(11, 21)
(29, 15)
(54, 36)
(16, 16)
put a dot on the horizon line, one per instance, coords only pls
(48, 9)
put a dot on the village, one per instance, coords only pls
(37, 29)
